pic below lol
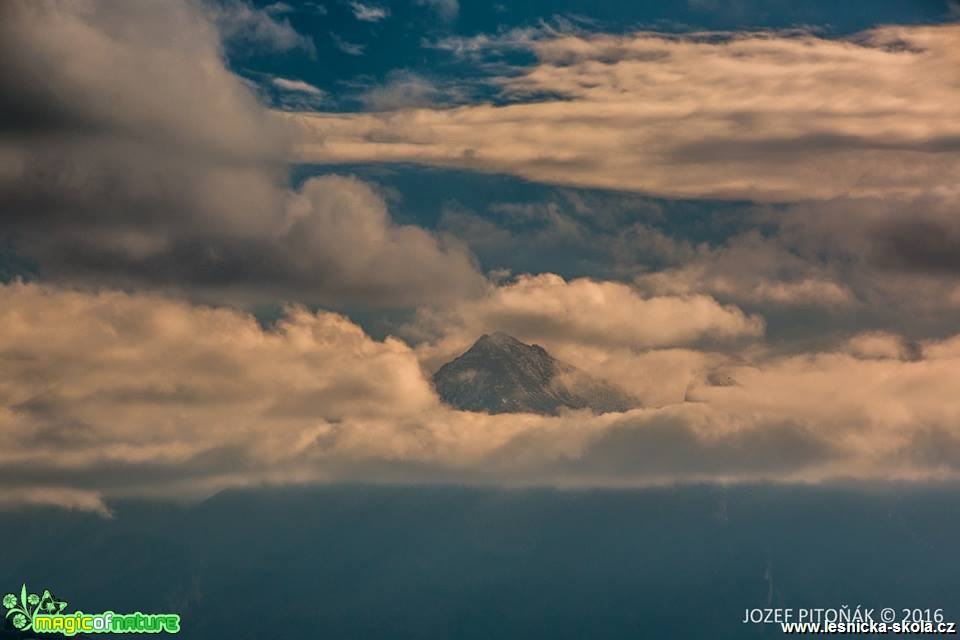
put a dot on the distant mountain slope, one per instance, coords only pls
(446, 562)
(500, 374)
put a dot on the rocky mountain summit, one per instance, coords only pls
(500, 374)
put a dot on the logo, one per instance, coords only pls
(44, 614)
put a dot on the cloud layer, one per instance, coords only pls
(112, 394)
(764, 116)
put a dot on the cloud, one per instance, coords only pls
(597, 312)
(875, 400)
(489, 49)
(242, 23)
(296, 85)
(811, 269)
(62, 497)
(896, 255)
(166, 177)
(883, 345)
(220, 390)
(750, 268)
(293, 95)
(223, 401)
(599, 325)
(606, 328)
(278, 8)
(850, 262)
(762, 116)
(350, 48)
(369, 12)
(447, 10)
(920, 244)
(167, 173)
(402, 89)
(532, 238)
(341, 228)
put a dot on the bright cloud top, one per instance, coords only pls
(585, 312)
(765, 116)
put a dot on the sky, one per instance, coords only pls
(238, 238)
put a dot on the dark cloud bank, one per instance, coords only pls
(134, 158)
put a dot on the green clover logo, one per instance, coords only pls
(25, 609)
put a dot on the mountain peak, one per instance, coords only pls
(501, 374)
(497, 338)
(498, 341)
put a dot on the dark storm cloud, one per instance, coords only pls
(133, 157)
